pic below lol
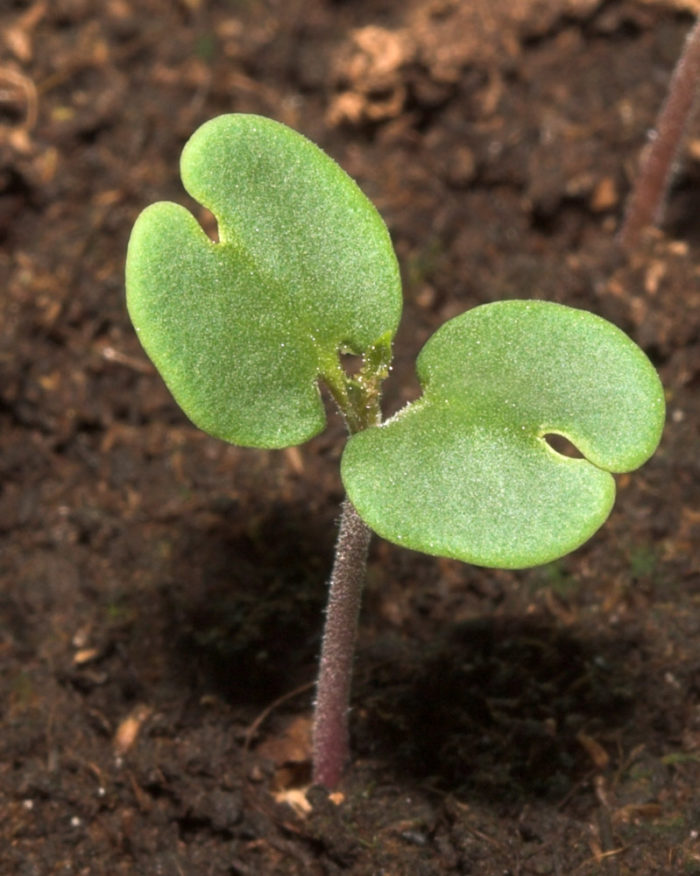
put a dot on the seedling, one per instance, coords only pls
(648, 196)
(246, 330)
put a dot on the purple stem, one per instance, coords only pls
(649, 193)
(331, 747)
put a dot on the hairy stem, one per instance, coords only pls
(330, 730)
(649, 193)
(358, 399)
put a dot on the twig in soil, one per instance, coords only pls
(605, 830)
(267, 711)
(112, 355)
(648, 196)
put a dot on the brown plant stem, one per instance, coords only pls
(330, 730)
(646, 201)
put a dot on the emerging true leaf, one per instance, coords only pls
(241, 330)
(466, 472)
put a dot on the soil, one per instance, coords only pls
(161, 592)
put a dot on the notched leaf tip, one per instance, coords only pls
(562, 445)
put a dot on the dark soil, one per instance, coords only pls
(161, 593)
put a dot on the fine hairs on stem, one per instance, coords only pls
(647, 198)
(330, 730)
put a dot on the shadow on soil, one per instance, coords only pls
(503, 709)
(246, 605)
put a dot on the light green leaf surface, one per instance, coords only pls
(466, 472)
(241, 330)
